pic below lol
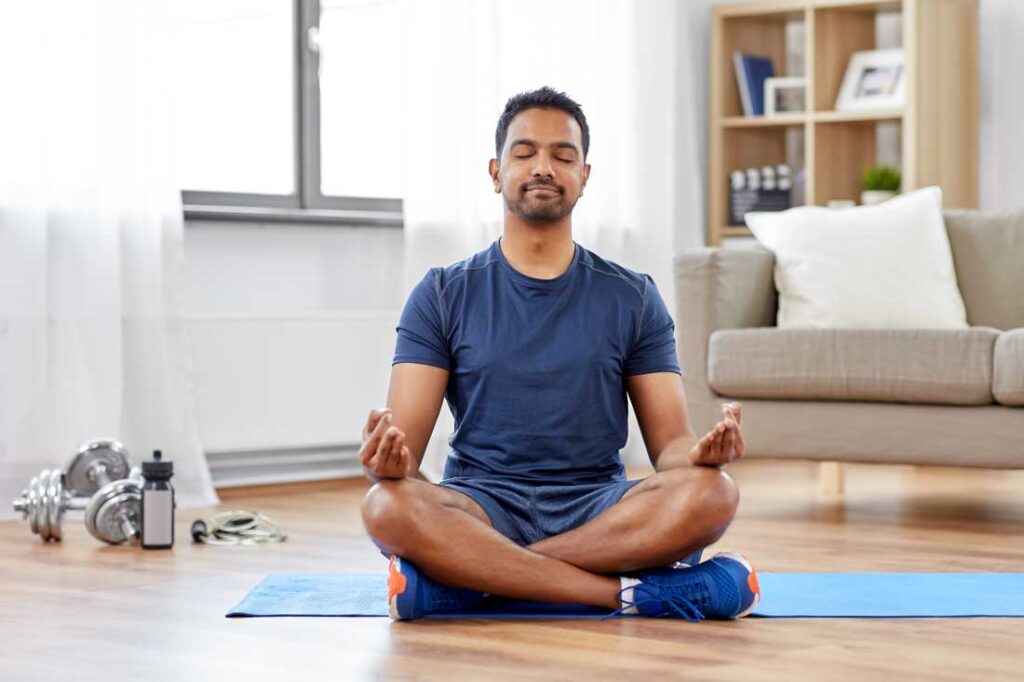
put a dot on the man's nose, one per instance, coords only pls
(542, 165)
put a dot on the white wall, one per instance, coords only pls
(292, 332)
(254, 269)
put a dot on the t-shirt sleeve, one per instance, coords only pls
(654, 349)
(421, 327)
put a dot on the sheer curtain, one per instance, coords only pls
(629, 64)
(93, 339)
(1001, 25)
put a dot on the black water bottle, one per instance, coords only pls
(157, 504)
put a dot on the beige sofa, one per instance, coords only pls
(952, 397)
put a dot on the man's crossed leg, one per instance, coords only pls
(449, 536)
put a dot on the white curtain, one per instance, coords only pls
(1002, 104)
(93, 339)
(631, 67)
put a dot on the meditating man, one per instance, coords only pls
(536, 343)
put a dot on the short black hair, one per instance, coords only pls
(541, 98)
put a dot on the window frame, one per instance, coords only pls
(307, 204)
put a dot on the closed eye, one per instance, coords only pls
(526, 156)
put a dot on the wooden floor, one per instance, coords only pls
(81, 610)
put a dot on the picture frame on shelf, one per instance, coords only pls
(785, 95)
(874, 79)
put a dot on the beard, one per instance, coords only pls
(531, 208)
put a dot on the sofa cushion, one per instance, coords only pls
(1008, 368)
(937, 366)
(988, 252)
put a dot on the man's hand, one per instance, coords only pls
(724, 443)
(384, 453)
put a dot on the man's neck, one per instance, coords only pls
(541, 251)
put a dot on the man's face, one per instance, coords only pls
(542, 173)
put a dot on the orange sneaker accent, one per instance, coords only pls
(752, 583)
(396, 581)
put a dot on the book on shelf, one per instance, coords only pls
(751, 72)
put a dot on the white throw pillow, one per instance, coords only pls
(886, 266)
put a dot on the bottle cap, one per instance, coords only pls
(157, 469)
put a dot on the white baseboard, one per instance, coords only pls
(235, 468)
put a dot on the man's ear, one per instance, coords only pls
(492, 169)
(586, 177)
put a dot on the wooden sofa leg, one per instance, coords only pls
(830, 477)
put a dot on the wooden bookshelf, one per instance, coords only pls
(935, 132)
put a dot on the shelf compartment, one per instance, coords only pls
(754, 147)
(841, 151)
(840, 30)
(763, 34)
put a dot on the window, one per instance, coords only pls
(292, 111)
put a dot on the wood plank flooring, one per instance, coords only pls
(81, 610)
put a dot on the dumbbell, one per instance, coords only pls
(112, 514)
(98, 470)
(97, 463)
(44, 502)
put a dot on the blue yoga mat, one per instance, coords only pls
(783, 595)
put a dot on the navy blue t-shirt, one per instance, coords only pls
(537, 367)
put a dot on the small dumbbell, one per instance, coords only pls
(97, 463)
(112, 514)
(44, 502)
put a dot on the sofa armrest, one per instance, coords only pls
(718, 288)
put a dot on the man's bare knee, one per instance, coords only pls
(717, 498)
(708, 499)
(389, 513)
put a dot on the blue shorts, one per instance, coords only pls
(530, 511)
(527, 512)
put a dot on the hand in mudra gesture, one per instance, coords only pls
(384, 453)
(724, 443)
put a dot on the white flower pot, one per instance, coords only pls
(876, 196)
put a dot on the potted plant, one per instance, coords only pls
(880, 183)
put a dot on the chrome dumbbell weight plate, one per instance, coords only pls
(113, 512)
(44, 502)
(97, 463)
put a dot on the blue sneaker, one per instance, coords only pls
(411, 594)
(725, 586)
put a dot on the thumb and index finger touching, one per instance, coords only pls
(734, 410)
(377, 421)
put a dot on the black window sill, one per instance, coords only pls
(309, 216)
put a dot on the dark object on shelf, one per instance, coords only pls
(742, 201)
(751, 72)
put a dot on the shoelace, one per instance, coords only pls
(672, 597)
(669, 596)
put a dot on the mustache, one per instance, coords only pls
(548, 185)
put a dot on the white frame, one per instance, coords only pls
(773, 85)
(847, 100)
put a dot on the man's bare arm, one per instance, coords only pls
(661, 411)
(395, 438)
